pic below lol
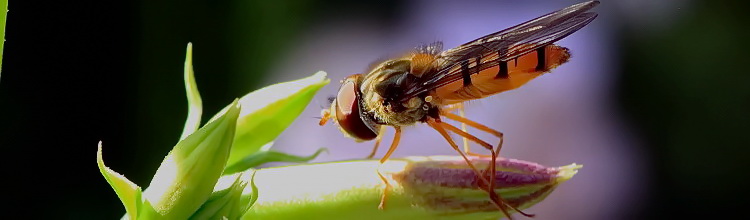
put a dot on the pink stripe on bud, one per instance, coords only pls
(448, 184)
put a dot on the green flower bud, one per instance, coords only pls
(224, 202)
(422, 188)
(187, 176)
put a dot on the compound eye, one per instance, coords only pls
(348, 113)
(347, 100)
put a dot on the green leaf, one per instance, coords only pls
(187, 176)
(3, 14)
(253, 196)
(267, 156)
(146, 211)
(223, 202)
(268, 111)
(195, 104)
(128, 192)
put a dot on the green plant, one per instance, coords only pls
(209, 173)
(3, 14)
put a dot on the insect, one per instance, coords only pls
(427, 84)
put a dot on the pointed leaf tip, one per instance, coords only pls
(224, 202)
(128, 192)
(195, 103)
(269, 111)
(262, 157)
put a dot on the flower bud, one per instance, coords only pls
(187, 176)
(448, 185)
(442, 187)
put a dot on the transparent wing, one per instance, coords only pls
(504, 45)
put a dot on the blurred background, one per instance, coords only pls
(654, 103)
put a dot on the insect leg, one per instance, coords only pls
(460, 107)
(463, 128)
(440, 128)
(476, 125)
(377, 142)
(394, 144)
(491, 168)
(384, 197)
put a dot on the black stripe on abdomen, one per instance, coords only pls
(541, 60)
(502, 73)
(465, 72)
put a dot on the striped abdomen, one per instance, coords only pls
(496, 76)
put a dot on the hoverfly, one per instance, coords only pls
(424, 86)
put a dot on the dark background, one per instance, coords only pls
(76, 72)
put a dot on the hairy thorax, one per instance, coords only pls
(410, 112)
(381, 89)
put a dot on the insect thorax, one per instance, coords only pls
(382, 89)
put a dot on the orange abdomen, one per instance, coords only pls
(499, 78)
